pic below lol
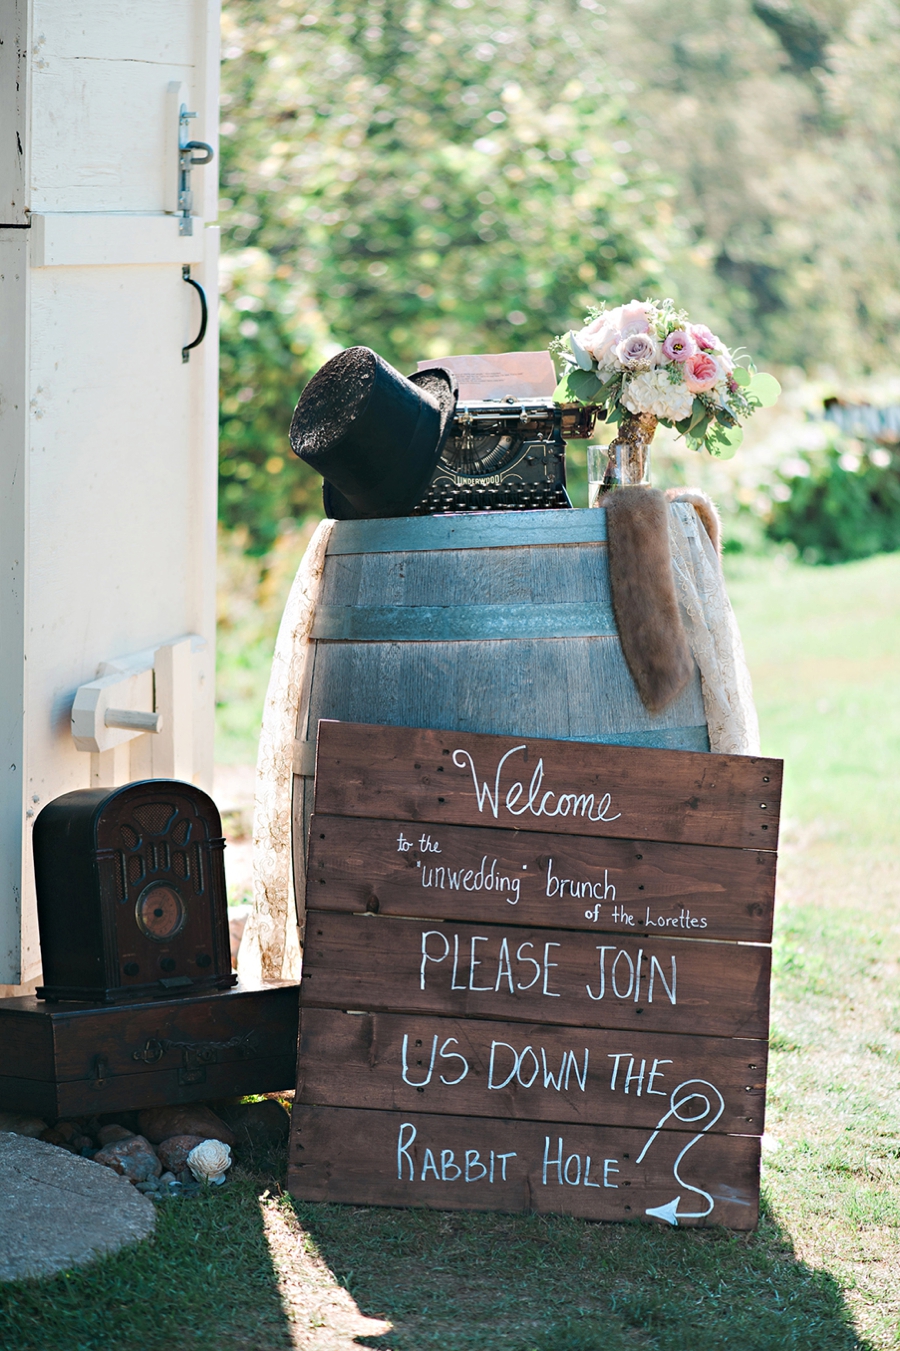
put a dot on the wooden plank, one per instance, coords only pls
(504, 575)
(535, 975)
(475, 687)
(62, 1040)
(559, 881)
(469, 1067)
(27, 1046)
(141, 1038)
(15, 73)
(469, 1163)
(129, 1092)
(467, 623)
(571, 787)
(486, 530)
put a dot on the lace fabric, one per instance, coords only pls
(270, 947)
(713, 635)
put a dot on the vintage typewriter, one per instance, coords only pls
(506, 455)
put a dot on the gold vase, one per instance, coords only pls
(628, 465)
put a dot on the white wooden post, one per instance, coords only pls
(107, 438)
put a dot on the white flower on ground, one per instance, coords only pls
(653, 392)
(209, 1161)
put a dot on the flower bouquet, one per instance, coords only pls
(646, 363)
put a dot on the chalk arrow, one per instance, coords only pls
(668, 1212)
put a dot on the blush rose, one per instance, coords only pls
(700, 373)
(637, 352)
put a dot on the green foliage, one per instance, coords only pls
(844, 506)
(777, 121)
(272, 339)
(455, 176)
(423, 179)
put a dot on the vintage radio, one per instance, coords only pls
(506, 455)
(131, 894)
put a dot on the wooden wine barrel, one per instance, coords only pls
(479, 623)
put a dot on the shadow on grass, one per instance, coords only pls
(551, 1283)
(203, 1282)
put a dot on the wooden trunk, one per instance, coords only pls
(72, 1059)
(500, 623)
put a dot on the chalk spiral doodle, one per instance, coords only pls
(692, 1091)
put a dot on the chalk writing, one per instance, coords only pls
(537, 802)
(472, 879)
(689, 1104)
(567, 1175)
(472, 1168)
(629, 1076)
(558, 886)
(633, 972)
(568, 1064)
(444, 1054)
(503, 962)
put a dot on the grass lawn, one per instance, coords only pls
(246, 1268)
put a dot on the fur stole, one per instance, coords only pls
(705, 508)
(643, 595)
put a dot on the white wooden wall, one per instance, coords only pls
(107, 439)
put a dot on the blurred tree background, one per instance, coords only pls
(436, 176)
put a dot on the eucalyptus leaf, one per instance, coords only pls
(722, 442)
(586, 386)
(581, 356)
(724, 418)
(764, 389)
(698, 413)
(741, 377)
(577, 387)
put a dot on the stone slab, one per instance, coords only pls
(59, 1211)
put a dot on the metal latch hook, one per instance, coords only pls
(187, 161)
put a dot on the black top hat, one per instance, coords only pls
(374, 436)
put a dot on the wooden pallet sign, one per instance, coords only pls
(536, 977)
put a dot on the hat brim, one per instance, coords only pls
(443, 387)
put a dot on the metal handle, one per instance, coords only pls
(204, 313)
(195, 145)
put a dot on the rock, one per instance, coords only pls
(58, 1211)
(149, 1187)
(174, 1151)
(68, 1135)
(167, 1179)
(108, 1135)
(135, 1158)
(161, 1123)
(256, 1125)
(127, 1119)
(209, 1161)
(22, 1124)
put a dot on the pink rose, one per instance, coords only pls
(700, 373)
(679, 345)
(637, 352)
(704, 338)
(599, 336)
(632, 318)
(596, 324)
